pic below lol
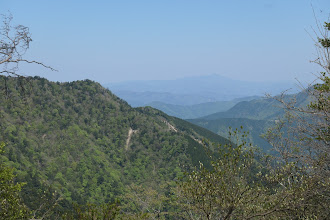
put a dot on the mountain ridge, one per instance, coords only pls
(198, 110)
(75, 137)
(261, 109)
(256, 116)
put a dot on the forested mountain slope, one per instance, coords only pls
(255, 128)
(256, 116)
(85, 142)
(260, 109)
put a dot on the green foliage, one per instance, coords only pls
(73, 137)
(322, 106)
(11, 206)
(226, 191)
(297, 192)
(107, 211)
(245, 185)
(145, 202)
(254, 127)
(325, 41)
(256, 116)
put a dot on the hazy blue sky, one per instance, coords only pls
(110, 41)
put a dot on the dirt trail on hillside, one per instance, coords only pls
(171, 127)
(130, 133)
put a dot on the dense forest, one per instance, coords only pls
(78, 151)
(89, 145)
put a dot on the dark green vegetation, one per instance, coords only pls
(293, 184)
(80, 149)
(11, 205)
(89, 145)
(76, 149)
(243, 185)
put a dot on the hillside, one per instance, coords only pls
(256, 116)
(260, 109)
(90, 145)
(198, 110)
(254, 127)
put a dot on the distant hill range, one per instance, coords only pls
(193, 90)
(256, 116)
(260, 109)
(213, 102)
(198, 110)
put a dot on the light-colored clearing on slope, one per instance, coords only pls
(171, 127)
(130, 133)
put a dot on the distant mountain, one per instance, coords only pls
(256, 116)
(260, 109)
(90, 145)
(199, 110)
(193, 90)
(138, 99)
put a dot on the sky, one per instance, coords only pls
(111, 41)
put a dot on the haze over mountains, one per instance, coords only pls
(193, 90)
(198, 110)
(214, 102)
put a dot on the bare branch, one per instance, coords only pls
(14, 42)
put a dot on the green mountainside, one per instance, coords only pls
(254, 127)
(260, 109)
(256, 116)
(198, 110)
(88, 144)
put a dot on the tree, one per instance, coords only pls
(302, 138)
(11, 206)
(14, 42)
(321, 105)
(142, 202)
(293, 184)
(228, 190)
(244, 185)
(107, 211)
